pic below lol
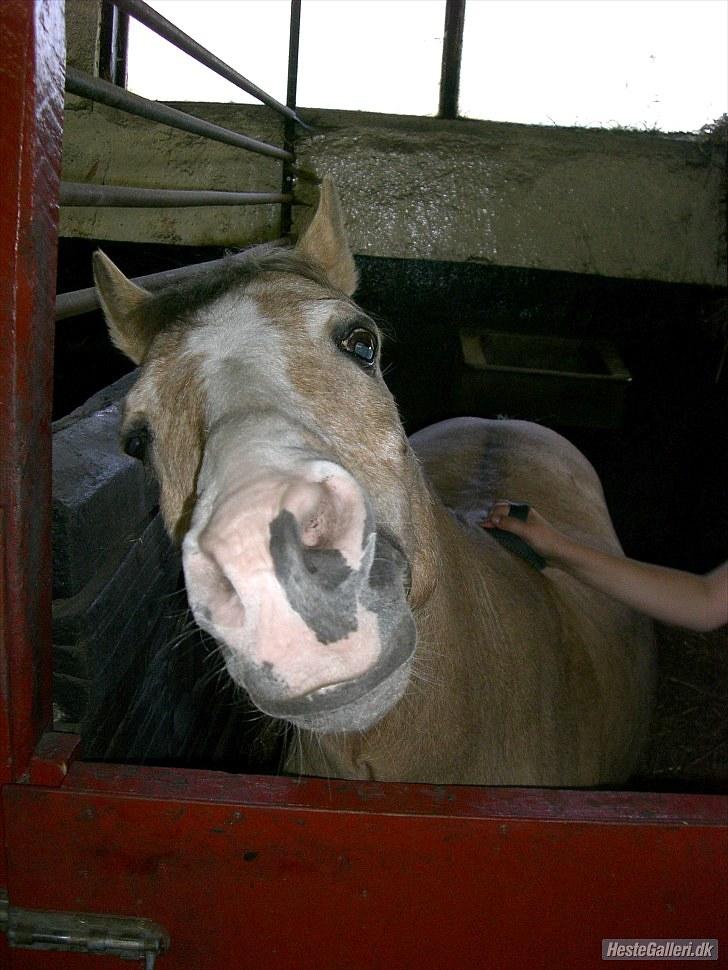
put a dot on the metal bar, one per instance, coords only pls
(86, 86)
(76, 302)
(294, 37)
(83, 193)
(124, 937)
(452, 50)
(289, 131)
(164, 28)
(113, 36)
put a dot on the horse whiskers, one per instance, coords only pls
(271, 726)
(213, 653)
(423, 662)
(215, 675)
(292, 753)
(324, 759)
(177, 617)
(176, 594)
(182, 639)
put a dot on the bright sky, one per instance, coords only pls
(634, 63)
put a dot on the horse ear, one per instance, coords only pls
(324, 242)
(121, 301)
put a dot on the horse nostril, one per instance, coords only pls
(318, 583)
(228, 610)
(295, 562)
(313, 531)
(312, 507)
(330, 514)
(213, 597)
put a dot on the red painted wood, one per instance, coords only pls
(393, 798)
(31, 80)
(52, 758)
(377, 884)
(4, 949)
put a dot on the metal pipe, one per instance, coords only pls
(113, 38)
(452, 52)
(164, 28)
(84, 193)
(294, 38)
(76, 302)
(95, 89)
(288, 183)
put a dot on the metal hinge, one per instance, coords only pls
(127, 937)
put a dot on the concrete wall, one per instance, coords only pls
(83, 22)
(614, 203)
(106, 146)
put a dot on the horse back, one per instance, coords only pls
(472, 462)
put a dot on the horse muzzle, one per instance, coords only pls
(307, 597)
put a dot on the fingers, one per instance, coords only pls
(500, 517)
(529, 525)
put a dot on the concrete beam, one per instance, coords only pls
(613, 203)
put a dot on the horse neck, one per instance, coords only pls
(461, 574)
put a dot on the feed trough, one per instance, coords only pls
(557, 380)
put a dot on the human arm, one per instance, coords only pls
(670, 595)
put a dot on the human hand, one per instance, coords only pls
(534, 529)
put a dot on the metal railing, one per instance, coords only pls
(85, 194)
(112, 95)
(160, 25)
(95, 89)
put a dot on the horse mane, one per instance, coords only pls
(178, 303)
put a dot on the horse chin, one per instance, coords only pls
(355, 715)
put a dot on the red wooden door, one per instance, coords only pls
(260, 872)
(283, 875)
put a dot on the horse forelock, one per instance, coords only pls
(183, 304)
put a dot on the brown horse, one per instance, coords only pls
(338, 565)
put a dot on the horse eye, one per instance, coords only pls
(135, 443)
(362, 344)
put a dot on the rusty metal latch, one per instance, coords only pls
(127, 937)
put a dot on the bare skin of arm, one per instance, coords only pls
(670, 595)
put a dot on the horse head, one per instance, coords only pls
(284, 471)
